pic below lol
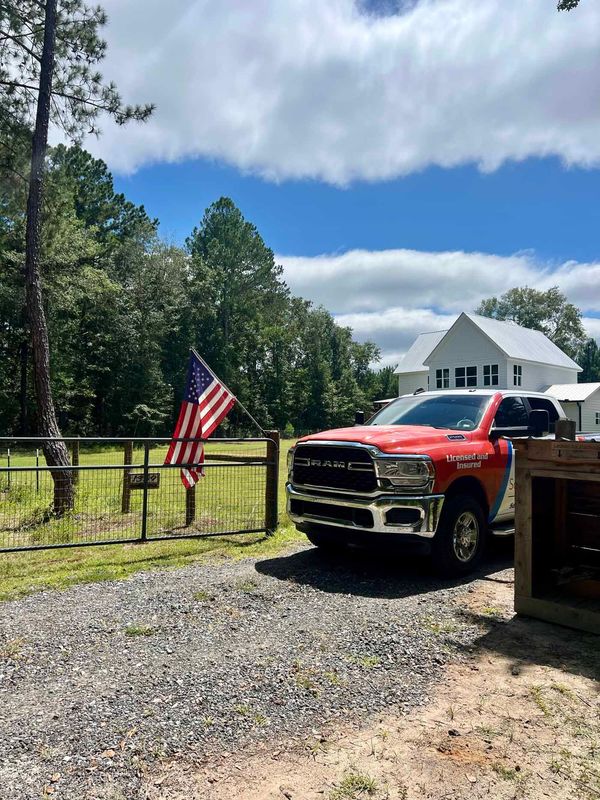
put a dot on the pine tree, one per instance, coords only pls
(48, 53)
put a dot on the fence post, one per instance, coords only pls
(126, 496)
(190, 505)
(144, 534)
(37, 470)
(75, 460)
(8, 466)
(565, 429)
(272, 482)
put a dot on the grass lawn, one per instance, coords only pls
(226, 495)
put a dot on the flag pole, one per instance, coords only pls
(244, 409)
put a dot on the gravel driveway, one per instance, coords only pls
(99, 681)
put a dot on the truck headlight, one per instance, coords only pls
(290, 462)
(404, 472)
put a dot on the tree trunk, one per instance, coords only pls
(56, 452)
(23, 362)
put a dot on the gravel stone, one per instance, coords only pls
(100, 681)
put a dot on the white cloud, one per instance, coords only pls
(362, 280)
(306, 88)
(390, 296)
(592, 326)
(395, 329)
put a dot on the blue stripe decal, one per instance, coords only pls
(502, 492)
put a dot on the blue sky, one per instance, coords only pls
(537, 205)
(403, 158)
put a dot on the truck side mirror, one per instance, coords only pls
(359, 417)
(539, 422)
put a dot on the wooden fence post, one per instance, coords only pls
(190, 506)
(75, 460)
(565, 429)
(272, 482)
(127, 459)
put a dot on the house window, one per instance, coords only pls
(597, 417)
(517, 375)
(465, 376)
(490, 375)
(442, 378)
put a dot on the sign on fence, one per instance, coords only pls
(136, 480)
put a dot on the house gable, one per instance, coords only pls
(466, 345)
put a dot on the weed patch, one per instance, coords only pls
(365, 661)
(139, 630)
(11, 650)
(355, 785)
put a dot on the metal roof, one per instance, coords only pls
(572, 392)
(523, 344)
(420, 349)
(483, 392)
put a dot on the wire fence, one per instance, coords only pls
(120, 490)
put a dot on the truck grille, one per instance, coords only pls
(331, 467)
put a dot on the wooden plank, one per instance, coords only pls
(523, 532)
(190, 505)
(566, 473)
(550, 450)
(582, 619)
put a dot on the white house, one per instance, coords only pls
(480, 352)
(581, 402)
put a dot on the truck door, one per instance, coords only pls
(512, 419)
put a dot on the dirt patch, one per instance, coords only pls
(521, 719)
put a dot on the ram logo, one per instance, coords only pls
(317, 462)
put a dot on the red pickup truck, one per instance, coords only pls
(433, 471)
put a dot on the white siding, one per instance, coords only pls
(538, 377)
(466, 346)
(409, 382)
(571, 411)
(590, 408)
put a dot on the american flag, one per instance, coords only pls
(206, 402)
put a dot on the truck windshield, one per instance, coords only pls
(459, 412)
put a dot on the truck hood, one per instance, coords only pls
(394, 438)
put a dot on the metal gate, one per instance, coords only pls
(123, 492)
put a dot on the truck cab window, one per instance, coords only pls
(511, 414)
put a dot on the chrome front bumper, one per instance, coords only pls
(424, 512)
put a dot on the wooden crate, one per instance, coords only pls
(557, 536)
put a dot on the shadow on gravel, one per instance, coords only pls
(375, 574)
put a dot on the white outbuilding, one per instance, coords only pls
(581, 402)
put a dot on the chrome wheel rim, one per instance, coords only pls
(465, 536)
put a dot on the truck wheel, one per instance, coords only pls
(325, 540)
(459, 543)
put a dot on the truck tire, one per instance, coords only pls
(459, 543)
(325, 540)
